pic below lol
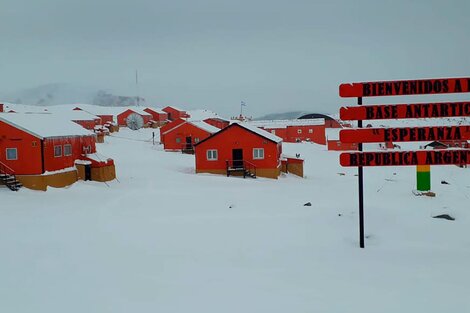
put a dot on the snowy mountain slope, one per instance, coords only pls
(163, 239)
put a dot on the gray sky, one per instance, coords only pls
(274, 55)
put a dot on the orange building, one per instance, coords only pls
(121, 117)
(240, 149)
(184, 135)
(38, 143)
(296, 130)
(217, 122)
(175, 113)
(158, 116)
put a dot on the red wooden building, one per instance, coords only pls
(240, 149)
(121, 117)
(37, 143)
(184, 135)
(168, 126)
(158, 116)
(296, 130)
(217, 122)
(175, 113)
(105, 118)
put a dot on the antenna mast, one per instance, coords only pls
(137, 86)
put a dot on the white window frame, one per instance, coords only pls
(16, 154)
(273, 132)
(57, 147)
(310, 131)
(65, 150)
(212, 155)
(258, 153)
(196, 140)
(299, 131)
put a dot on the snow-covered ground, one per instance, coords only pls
(163, 239)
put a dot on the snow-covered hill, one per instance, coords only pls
(164, 239)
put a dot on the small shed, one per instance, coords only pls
(240, 149)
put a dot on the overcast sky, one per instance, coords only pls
(274, 55)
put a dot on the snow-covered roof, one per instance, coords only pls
(200, 115)
(204, 126)
(157, 110)
(44, 125)
(285, 123)
(74, 115)
(260, 132)
(173, 107)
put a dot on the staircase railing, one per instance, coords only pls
(5, 169)
(8, 177)
(240, 166)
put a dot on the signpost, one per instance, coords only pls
(422, 158)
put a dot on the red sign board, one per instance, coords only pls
(405, 87)
(443, 133)
(401, 158)
(400, 111)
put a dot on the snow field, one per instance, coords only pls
(163, 239)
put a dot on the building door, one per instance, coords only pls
(237, 157)
(88, 172)
(189, 144)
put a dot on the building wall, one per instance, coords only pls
(121, 118)
(28, 150)
(88, 124)
(236, 137)
(157, 117)
(291, 133)
(79, 143)
(174, 114)
(183, 131)
(169, 126)
(336, 145)
(106, 119)
(221, 124)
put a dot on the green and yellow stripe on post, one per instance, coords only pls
(423, 177)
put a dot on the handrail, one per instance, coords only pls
(4, 168)
(246, 166)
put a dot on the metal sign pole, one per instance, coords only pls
(361, 188)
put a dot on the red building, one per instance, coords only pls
(218, 122)
(296, 130)
(158, 116)
(333, 142)
(240, 149)
(184, 135)
(121, 117)
(105, 118)
(175, 113)
(169, 126)
(37, 143)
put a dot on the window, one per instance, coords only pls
(67, 150)
(178, 140)
(310, 131)
(299, 131)
(212, 155)
(273, 132)
(258, 153)
(57, 151)
(12, 154)
(196, 140)
(34, 143)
